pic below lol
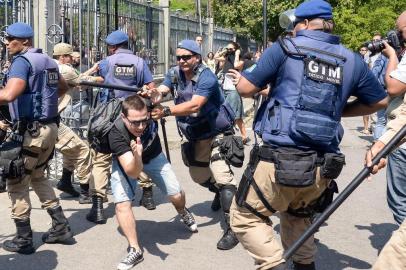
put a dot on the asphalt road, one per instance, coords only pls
(351, 238)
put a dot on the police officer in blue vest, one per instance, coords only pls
(122, 67)
(202, 116)
(311, 77)
(31, 90)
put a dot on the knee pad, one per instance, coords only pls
(226, 197)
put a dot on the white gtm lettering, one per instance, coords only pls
(334, 72)
(313, 67)
(323, 69)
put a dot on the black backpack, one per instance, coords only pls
(100, 123)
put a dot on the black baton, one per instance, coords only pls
(346, 192)
(163, 121)
(111, 86)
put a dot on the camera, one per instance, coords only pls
(391, 37)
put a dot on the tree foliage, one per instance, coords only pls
(356, 20)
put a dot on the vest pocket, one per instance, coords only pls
(314, 128)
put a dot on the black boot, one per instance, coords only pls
(96, 213)
(65, 183)
(3, 186)
(281, 266)
(22, 242)
(60, 231)
(216, 205)
(301, 266)
(147, 199)
(228, 240)
(84, 197)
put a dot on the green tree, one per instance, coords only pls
(356, 20)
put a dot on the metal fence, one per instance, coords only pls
(86, 23)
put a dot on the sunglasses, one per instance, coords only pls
(184, 57)
(137, 123)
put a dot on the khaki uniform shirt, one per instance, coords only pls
(396, 111)
(73, 78)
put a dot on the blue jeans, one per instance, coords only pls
(380, 124)
(158, 169)
(396, 178)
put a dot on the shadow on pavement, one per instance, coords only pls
(331, 259)
(203, 210)
(380, 233)
(41, 260)
(160, 233)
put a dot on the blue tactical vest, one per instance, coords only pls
(40, 98)
(213, 119)
(306, 99)
(124, 68)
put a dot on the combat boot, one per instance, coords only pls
(147, 199)
(84, 197)
(301, 266)
(22, 242)
(96, 213)
(228, 240)
(3, 186)
(65, 183)
(215, 204)
(60, 231)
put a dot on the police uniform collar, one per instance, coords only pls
(319, 35)
(122, 50)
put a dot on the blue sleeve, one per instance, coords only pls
(103, 68)
(368, 90)
(147, 74)
(167, 80)
(20, 68)
(267, 67)
(207, 84)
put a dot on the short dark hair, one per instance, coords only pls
(134, 102)
(235, 45)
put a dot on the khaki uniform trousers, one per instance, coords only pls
(393, 254)
(76, 153)
(257, 236)
(101, 169)
(42, 145)
(219, 172)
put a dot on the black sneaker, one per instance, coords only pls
(187, 218)
(133, 258)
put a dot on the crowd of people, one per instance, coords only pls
(307, 77)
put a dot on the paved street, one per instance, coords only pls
(351, 238)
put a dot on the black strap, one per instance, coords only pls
(26, 152)
(261, 197)
(216, 157)
(266, 219)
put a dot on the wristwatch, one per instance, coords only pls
(167, 111)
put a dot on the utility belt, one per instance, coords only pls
(33, 126)
(293, 168)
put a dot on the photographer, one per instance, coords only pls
(393, 254)
(229, 58)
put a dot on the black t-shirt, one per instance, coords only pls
(120, 139)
